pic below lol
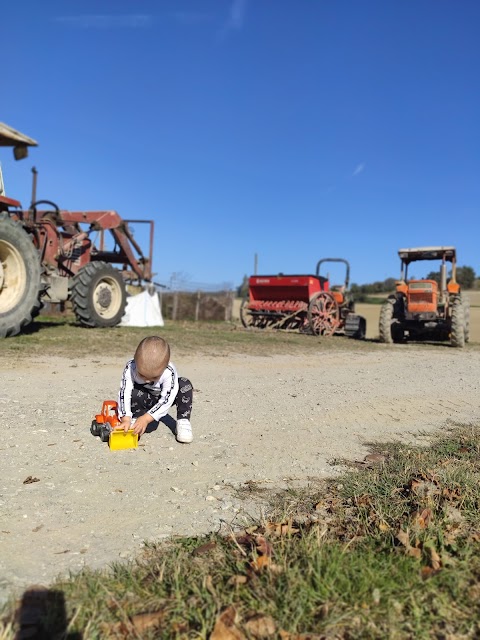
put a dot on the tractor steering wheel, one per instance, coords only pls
(34, 205)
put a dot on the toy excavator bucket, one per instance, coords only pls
(120, 439)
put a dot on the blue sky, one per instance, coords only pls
(290, 129)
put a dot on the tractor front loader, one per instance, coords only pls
(426, 309)
(48, 255)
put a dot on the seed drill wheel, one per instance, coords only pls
(323, 314)
(19, 277)
(248, 320)
(98, 295)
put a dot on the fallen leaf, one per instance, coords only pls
(286, 635)
(263, 546)
(114, 630)
(144, 621)
(237, 580)
(225, 628)
(31, 479)
(435, 560)
(414, 552)
(204, 548)
(280, 528)
(261, 562)
(427, 572)
(261, 626)
(403, 537)
(208, 584)
(422, 520)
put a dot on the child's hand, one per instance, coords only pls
(142, 423)
(126, 423)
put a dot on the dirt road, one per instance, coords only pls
(255, 418)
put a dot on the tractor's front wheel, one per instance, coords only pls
(19, 277)
(389, 329)
(458, 328)
(98, 295)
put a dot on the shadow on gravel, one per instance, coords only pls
(42, 615)
(167, 420)
(39, 325)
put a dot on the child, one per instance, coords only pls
(150, 386)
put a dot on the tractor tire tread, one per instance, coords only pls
(385, 323)
(81, 294)
(13, 321)
(458, 329)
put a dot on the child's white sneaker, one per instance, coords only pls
(184, 431)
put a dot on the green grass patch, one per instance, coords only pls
(388, 550)
(63, 337)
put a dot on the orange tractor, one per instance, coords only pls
(426, 309)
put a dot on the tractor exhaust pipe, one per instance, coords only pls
(34, 185)
(443, 281)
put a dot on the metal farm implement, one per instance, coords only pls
(305, 303)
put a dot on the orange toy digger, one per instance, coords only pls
(107, 425)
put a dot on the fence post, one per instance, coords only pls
(175, 305)
(229, 307)
(197, 306)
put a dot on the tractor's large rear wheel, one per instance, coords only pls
(466, 313)
(19, 277)
(323, 314)
(98, 295)
(457, 329)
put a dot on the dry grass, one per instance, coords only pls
(388, 551)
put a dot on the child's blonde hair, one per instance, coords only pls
(152, 356)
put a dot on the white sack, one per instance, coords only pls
(143, 310)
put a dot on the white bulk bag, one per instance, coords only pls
(143, 310)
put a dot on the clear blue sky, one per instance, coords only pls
(291, 129)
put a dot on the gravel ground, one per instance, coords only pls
(271, 419)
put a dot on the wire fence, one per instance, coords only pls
(179, 300)
(197, 305)
(189, 286)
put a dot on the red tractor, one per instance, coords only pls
(52, 255)
(306, 303)
(426, 309)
